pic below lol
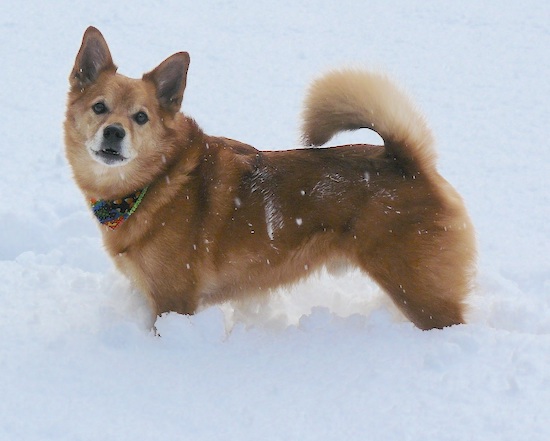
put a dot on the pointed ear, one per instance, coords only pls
(93, 58)
(169, 78)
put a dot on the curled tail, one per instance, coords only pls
(352, 99)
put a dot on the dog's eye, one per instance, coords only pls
(141, 118)
(99, 108)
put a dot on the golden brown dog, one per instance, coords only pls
(193, 219)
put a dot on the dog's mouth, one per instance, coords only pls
(110, 156)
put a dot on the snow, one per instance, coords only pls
(330, 359)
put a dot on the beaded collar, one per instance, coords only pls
(114, 213)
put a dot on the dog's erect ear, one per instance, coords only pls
(169, 78)
(93, 58)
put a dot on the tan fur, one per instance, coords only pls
(222, 220)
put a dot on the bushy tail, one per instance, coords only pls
(351, 99)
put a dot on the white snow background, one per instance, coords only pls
(330, 359)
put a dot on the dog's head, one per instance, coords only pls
(118, 130)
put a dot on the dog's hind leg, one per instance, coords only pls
(423, 300)
(426, 279)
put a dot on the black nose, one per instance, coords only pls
(114, 133)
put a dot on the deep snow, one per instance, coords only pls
(330, 359)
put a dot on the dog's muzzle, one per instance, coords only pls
(111, 150)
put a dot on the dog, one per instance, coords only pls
(194, 219)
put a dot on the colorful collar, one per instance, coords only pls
(113, 213)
